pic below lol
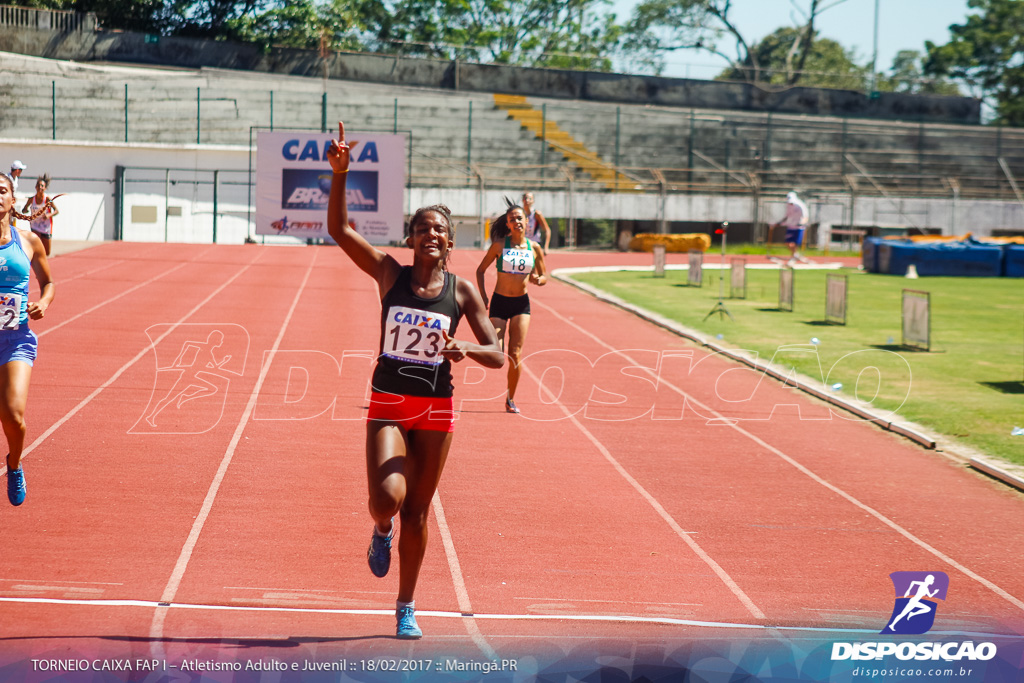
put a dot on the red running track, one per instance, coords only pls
(650, 495)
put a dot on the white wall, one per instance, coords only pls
(86, 171)
(979, 217)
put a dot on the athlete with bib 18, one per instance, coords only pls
(411, 418)
(520, 261)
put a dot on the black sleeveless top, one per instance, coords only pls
(409, 361)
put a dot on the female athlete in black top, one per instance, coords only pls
(409, 425)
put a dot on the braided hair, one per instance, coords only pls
(35, 214)
(447, 214)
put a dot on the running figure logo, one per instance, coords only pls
(194, 367)
(914, 611)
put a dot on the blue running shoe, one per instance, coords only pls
(379, 554)
(407, 628)
(16, 486)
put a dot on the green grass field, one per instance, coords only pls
(970, 386)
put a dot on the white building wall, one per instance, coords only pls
(86, 172)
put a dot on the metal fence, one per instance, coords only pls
(646, 155)
(210, 205)
(645, 150)
(182, 205)
(47, 20)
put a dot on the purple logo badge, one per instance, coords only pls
(916, 595)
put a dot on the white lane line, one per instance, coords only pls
(124, 368)
(610, 618)
(45, 587)
(461, 593)
(653, 502)
(90, 272)
(282, 590)
(124, 293)
(1017, 602)
(619, 602)
(87, 583)
(173, 583)
(68, 321)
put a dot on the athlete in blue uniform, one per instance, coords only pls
(20, 252)
(410, 421)
(520, 261)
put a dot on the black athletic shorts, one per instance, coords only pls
(508, 307)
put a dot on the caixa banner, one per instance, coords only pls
(293, 182)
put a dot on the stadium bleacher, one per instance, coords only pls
(457, 136)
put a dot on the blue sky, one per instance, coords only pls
(902, 25)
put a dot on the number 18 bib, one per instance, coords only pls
(415, 336)
(516, 261)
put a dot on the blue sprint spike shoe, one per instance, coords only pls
(16, 486)
(379, 554)
(407, 628)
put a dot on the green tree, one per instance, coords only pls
(305, 24)
(568, 33)
(296, 24)
(551, 33)
(659, 27)
(907, 76)
(825, 63)
(44, 4)
(127, 15)
(216, 19)
(986, 54)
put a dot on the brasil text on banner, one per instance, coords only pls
(293, 182)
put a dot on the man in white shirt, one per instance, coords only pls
(795, 223)
(16, 168)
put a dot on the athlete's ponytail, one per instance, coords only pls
(499, 226)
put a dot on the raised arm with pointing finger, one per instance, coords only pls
(411, 417)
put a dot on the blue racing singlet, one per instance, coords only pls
(15, 269)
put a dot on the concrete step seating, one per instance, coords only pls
(611, 144)
(162, 108)
(759, 142)
(561, 141)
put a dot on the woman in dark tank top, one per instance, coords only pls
(409, 360)
(410, 421)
